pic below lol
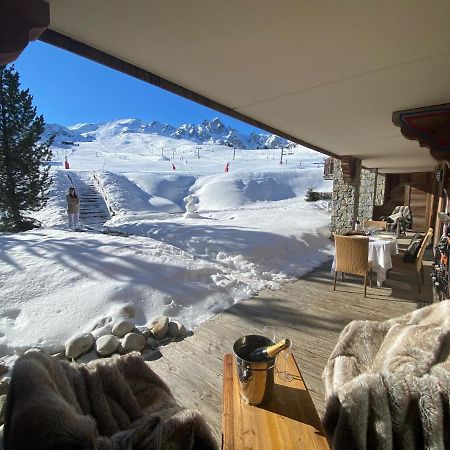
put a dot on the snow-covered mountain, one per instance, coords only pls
(207, 132)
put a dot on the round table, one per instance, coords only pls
(380, 251)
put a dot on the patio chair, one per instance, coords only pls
(417, 265)
(400, 220)
(377, 224)
(352, 256)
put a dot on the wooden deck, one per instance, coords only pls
(307, 311)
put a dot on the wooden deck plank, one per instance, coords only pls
(307, 311)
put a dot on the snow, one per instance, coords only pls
(254, 230)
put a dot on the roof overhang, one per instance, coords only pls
(327, 74)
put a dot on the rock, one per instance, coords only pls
(103, 331)
(121, 328)
(33, 349)
(107, 345)
(152, 343)
(176, 329)
(143, 329)
(2, 409)
(60, 356)
(89, 356)
(20, 350)
(79, 344)
(165, 340)
(159, 327)
(150, 355)
(101, 323)
(4, 369)
(4, 383)
(133, 342)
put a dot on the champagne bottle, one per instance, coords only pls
(269, 352)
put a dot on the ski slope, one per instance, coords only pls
(253, 231)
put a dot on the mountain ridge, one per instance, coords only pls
(212, 131)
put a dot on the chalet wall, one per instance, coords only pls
(354, 200)
(380, 189)
(366, 198)
(344, 199)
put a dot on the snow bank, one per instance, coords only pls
(55, 211)
(256, 226)
(55, 283)
(122, 195)
(243, 188)
(163, 187)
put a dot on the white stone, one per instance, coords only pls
(103, 331)
(59, 356)
(33, 349)
(107, 345)
(144, 330)
(87, 357)
(101, 323)
(121, 328)
(176, 329)
(159, 327)
(133, 342)
(79, 344)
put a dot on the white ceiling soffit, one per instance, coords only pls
(329, 73)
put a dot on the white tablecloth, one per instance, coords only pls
(380, 251)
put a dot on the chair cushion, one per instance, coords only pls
(413, 248)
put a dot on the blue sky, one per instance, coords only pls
(68, 89)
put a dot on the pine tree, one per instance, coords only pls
(24, 168)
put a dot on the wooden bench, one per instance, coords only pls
(288, 420)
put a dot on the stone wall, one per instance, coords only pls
(355, 199)
(344, 200)
(366, 199)
(380, 189)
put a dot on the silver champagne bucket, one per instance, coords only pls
(255, 378)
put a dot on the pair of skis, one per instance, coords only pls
(440, 268)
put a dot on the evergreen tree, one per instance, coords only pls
(24, 168)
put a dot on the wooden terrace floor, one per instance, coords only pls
(306, 310)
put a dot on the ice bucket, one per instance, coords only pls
(255, 378)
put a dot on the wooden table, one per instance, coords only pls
(288, 421)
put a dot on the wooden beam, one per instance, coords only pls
(430, 126)
(348, 166)
(62, 41)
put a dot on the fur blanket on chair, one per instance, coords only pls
(109, 404)
(387, 384)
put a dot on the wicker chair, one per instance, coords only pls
(352, 256)
(377, 224)
(417, 265)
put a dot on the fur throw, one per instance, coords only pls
(109, 404)
(387, 384)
